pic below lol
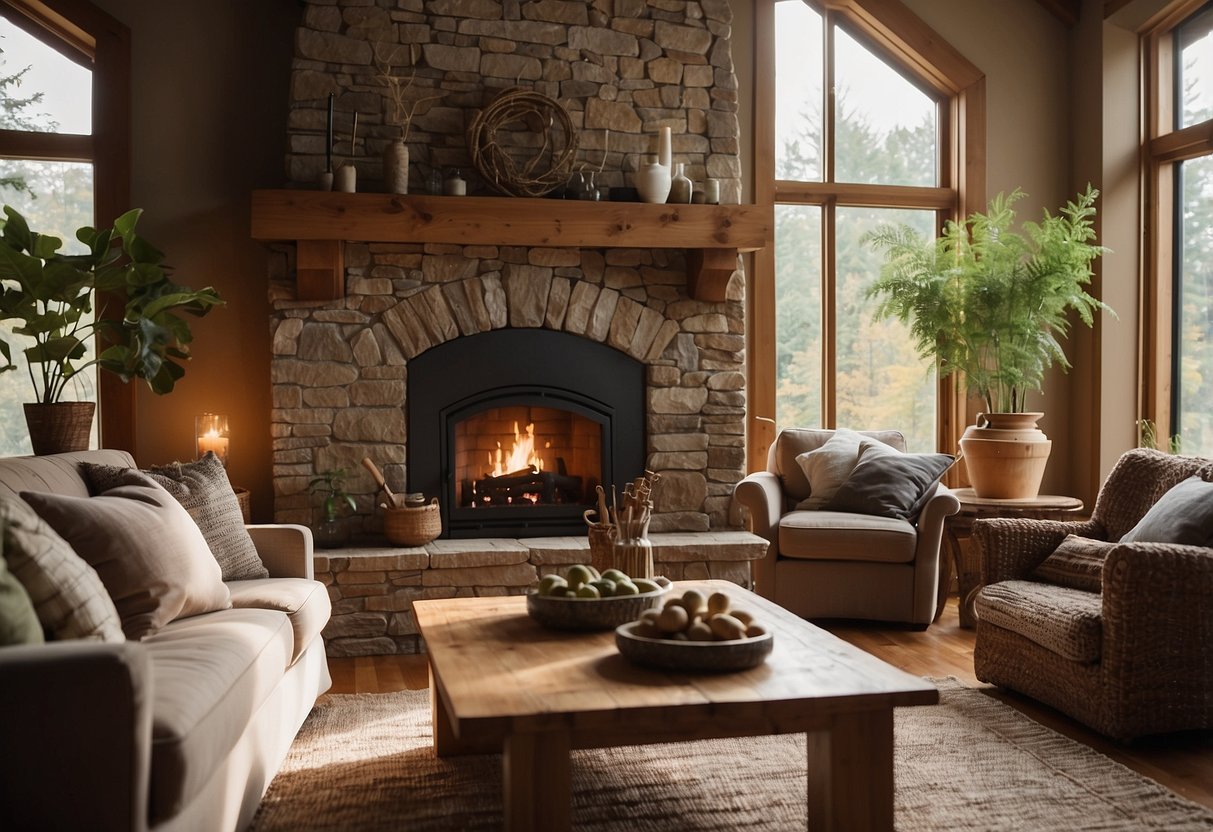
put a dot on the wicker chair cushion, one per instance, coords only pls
(1183, 515)
(1076, 563)
(1063, 620)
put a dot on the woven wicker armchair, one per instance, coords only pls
(1149, 668)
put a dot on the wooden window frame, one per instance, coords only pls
(85, 34)
(1162, 147)
(895, 33)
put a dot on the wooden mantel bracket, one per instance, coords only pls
(320, 221)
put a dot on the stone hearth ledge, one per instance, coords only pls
(373, 587)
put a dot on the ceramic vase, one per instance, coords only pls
(396, 167)
(346, 179)
(665, 147)
(652, 182)
(1005, 455)
(680, 186)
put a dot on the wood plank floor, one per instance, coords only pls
(1182, 762)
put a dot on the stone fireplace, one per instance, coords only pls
(424, 364)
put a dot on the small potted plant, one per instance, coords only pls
(331, 530)
(56, 302)
(989, 302)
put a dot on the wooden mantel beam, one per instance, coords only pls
(319, 221)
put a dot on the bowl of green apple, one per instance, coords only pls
(584, 599)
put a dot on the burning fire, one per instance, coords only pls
(522, 455)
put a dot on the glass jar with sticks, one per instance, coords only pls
(619, 539)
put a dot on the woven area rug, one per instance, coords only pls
(971, 763)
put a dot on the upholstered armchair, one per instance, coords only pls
(828, 563)
(1116, 633)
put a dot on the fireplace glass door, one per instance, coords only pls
(525, 456)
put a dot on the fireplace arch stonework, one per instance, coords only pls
(340, 368)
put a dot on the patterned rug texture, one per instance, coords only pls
(363, 762)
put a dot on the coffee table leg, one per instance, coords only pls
(538, 786)
(851, 773)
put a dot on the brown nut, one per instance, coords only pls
(726, 628)
(673, 619)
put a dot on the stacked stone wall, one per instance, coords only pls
(622, 68)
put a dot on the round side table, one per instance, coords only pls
(960, 526)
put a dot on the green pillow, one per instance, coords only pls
(18, 619)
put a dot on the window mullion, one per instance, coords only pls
(829, 309)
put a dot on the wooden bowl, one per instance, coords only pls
(697, 656)
(563, 613)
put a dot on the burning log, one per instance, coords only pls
(527, 485)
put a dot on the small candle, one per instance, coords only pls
(212, 441)
(328, 139)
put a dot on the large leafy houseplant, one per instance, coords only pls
(56, 301)
(989, 301)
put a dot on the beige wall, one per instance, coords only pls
(210, 93)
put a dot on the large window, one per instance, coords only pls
(861, 131)
(64, 163)
(1179, 308)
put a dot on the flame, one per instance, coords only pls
(522, 454)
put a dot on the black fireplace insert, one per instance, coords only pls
(513, 429)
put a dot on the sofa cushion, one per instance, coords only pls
(210, 674)
(150, 555)
(305, 602)
(203, 489)
(1182, 515)
(828, 467)
(67, 593)
(18, 618)
(887, 483)
(1077, 563)
(834, 535)
(1064, 620)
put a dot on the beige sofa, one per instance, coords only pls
(183, 730)
(833, 564)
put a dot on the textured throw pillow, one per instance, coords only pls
(69, 598)
(828, 467)
(202, 487)
(18, 618)
(1182, 515)
(888, 483)
(154, 562)
(1076, 563)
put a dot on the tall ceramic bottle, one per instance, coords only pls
(396, 167)
(652, 181)
(680, 186)
(665, 147)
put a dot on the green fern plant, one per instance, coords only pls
(988, 301)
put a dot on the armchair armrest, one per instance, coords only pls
(762, 494)
(285, 550)
(1158, 622)
(1010, 548)
(77, 739)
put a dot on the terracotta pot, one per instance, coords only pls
(1006, 454)
(59, 427)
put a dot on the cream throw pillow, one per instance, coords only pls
(68, 596)
(149, 553)
(829, 466)
(203, 489)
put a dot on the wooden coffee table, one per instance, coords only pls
(501, 682)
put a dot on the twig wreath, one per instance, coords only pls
(499, 161)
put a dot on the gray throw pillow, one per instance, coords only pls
(1077, 563)
(203, 489)
(150, 555)
(891, 484)
(1182, 515)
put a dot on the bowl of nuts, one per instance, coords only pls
(693, 633)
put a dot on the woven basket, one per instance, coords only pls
(412, 526)
(59, 427)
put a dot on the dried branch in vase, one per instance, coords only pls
(402, 105)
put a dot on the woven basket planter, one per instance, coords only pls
(412, 526)
(60, 427)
